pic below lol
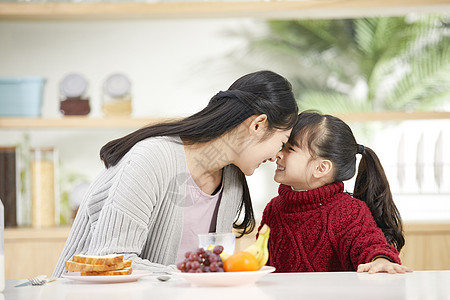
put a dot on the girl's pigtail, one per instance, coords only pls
(372, 187)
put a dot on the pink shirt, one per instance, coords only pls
(200, 213)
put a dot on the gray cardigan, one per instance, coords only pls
(136, 207)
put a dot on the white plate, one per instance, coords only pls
(107, 279)
(225, 278)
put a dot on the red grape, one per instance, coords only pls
(218, 249)
(181, 266)
(202, 261)
(214, 267)
(195, 265)
(193, 256)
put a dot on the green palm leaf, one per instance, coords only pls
(402, 61)
(331, 103)
(429, 75)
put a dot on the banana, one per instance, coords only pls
(259, 248)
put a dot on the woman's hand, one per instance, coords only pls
(382, 265)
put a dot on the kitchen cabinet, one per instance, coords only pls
(29, 251)
(35, 251)
(426, 246)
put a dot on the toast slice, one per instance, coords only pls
(126, 271)
(110, 259)
(82, 267)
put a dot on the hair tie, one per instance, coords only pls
(217, 97)
(246, 98)
(360, 149)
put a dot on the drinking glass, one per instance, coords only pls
(227, 240)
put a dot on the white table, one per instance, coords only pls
(349, 285)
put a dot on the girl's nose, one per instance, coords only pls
(280, 154)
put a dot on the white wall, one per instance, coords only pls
(175, 66)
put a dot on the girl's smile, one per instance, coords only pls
(280, 168)
(294, 167)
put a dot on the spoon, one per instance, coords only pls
(163, 278)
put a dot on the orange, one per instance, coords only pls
(241, 261)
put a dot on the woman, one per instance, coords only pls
(165, 183)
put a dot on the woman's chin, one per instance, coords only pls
(248, 172)
(277, 178)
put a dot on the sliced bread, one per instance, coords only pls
(126, 271)
(83, 267)
(110, 259)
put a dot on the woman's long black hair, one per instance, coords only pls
(262, 92)
(331, 138)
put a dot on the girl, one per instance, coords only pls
(165, 183)
(315, 225)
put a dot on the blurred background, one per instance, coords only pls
(68, 86)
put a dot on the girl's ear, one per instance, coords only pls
(323, 169)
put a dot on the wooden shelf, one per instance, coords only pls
(86, 122)
(426, 227)
(28, 233)
(387, 116)
(218, 9)
(76, 122)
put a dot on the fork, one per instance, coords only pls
(37, 281)
(43, 280)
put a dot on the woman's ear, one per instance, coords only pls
(258, 124)
(323, 169)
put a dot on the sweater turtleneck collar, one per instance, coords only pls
(306, 200)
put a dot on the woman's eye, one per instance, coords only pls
(282, 146)
(291, 149)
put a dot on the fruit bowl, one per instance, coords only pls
(225, 278)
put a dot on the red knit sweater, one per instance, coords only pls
(322, 230)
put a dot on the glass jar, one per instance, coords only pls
(2, 248)
(23, 182)
(117, 96)
(43, 187)
(8, 184)
(74, 100)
